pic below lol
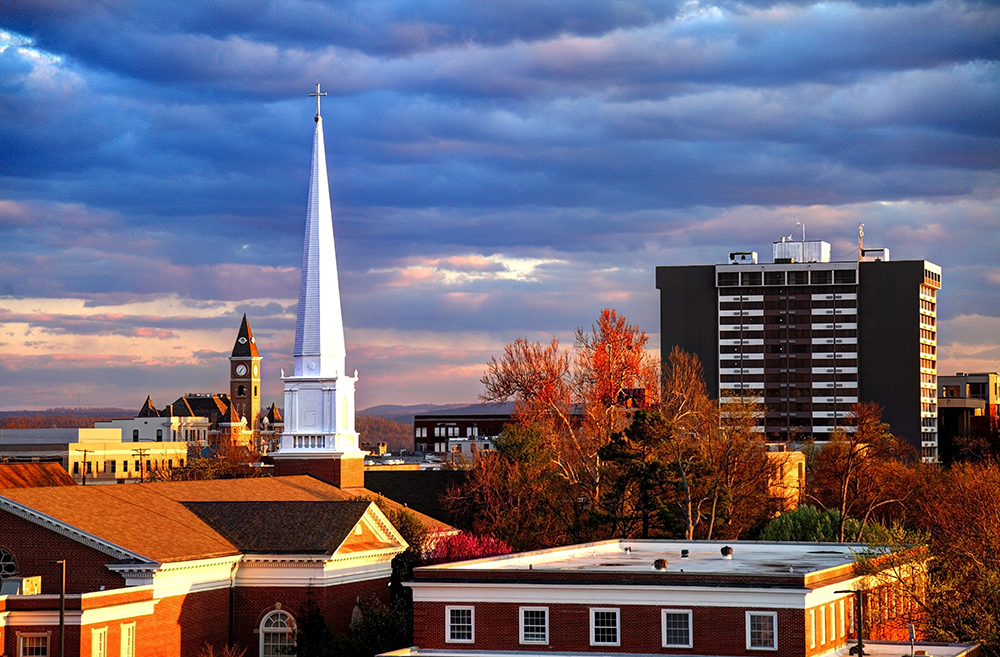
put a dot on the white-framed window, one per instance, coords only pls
(833, 622)
(460, 626)
(534, 624)
(676, 628)
(822, 625)
(812, 628)
(762, 630)
(33, 645)
(843, 619)
(128, 640)
(277, 634)
(99, 642)
(604, 626)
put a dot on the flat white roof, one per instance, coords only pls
(704, 557)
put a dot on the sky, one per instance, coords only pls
(498, 170)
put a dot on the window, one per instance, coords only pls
(135, 435)
(534, 625)
(137, 466)
(241, 391)
(128, 640)
(30, 645)
(159, 435)
(99, 642)
(89, 467)
(812, 628)
(762, 631)
(76, 467)
(676, 628)
(8, 567)
(604, 627)
(277, 634)
(461, 625)
(113, 465)
(843, 628)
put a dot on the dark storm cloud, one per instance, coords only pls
(496, 168)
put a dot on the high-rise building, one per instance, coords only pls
(319, 436)
(808, 337)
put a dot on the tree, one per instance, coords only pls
(959, 508)
(573, 403)
(690, 416)
(807, 524)
(464, 546)
(738, 470)
(517, 493)
(859, 470)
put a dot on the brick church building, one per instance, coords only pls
(166, 568)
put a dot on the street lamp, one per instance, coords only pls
(859, 649)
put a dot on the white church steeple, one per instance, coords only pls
(319, 436)
(319, 328)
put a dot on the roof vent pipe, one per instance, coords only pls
(727, 552)
(684, 554)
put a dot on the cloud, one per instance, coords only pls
(497, 170)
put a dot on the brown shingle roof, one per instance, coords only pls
(153, 521)
(33, 475)
(282, 527)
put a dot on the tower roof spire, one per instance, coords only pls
(245, 345)
(319, 327)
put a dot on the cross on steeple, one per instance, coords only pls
(317, 95)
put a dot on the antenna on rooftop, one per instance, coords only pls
(861, 241)
(803, 224)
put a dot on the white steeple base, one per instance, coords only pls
(319, 436)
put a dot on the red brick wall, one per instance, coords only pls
(717, 631)
(336, 603)
(34, 547)
(346, 473)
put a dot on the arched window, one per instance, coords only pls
(240, 391)
(277, 634)
(7, 566)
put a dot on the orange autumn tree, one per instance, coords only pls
(576, 401)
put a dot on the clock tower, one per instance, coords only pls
(244, 377)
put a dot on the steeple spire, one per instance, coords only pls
(319, 327)
(319, 436)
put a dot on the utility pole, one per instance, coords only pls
(84, 469)
(140, 454)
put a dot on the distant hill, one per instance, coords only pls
(105, 411)
(61, 418)
(374, 429)
(405, 414)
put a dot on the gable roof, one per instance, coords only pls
(157, 520)
(245, 345)
(33, 475)
(282, 527)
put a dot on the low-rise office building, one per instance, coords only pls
(653, 598)
(92, 455)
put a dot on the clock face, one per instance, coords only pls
(241, 369)
(256, 370)
(242, 340)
